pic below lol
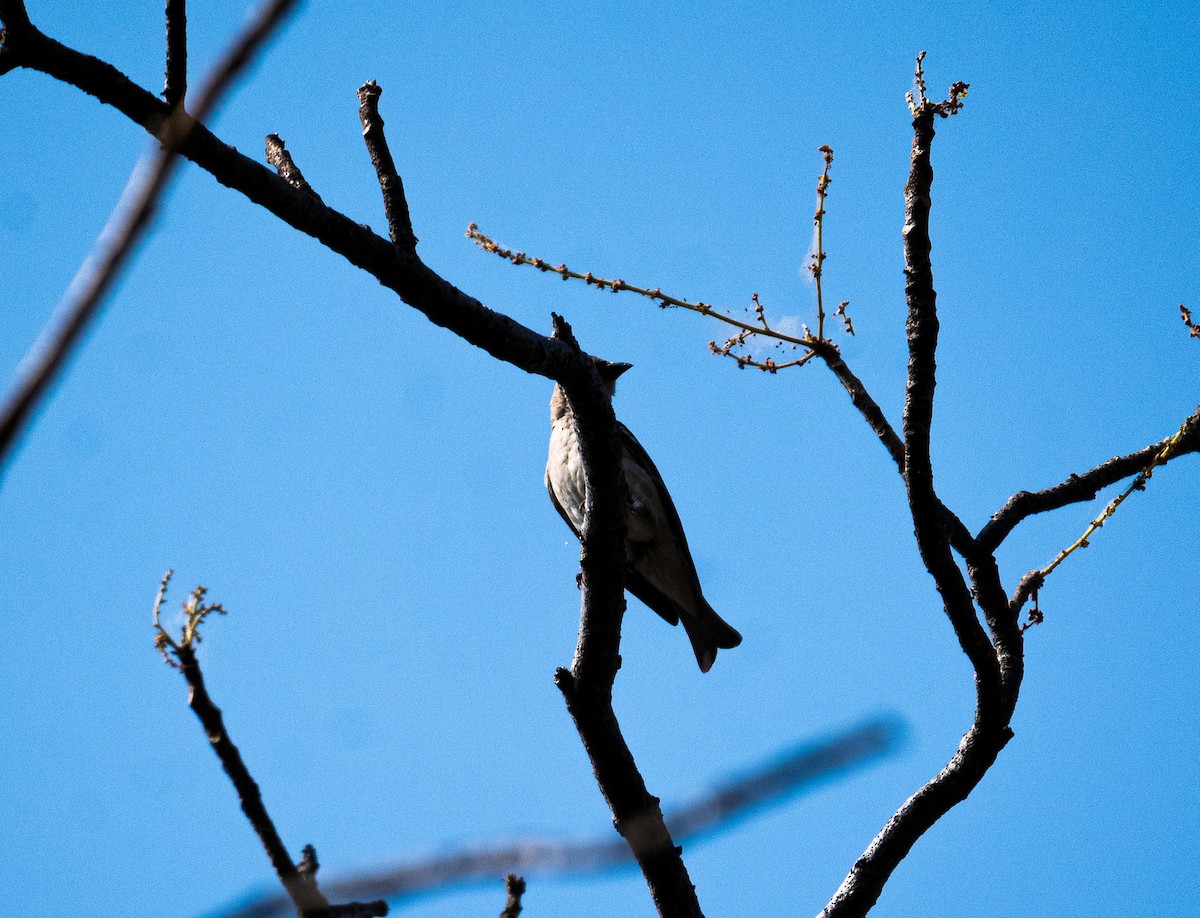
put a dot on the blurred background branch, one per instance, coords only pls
(789, 773)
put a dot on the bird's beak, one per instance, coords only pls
(610, 372)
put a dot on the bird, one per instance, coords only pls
(659, 566)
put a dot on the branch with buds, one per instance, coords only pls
(755, 324)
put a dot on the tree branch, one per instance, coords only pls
(298, 880)
(395, 205)
(934, 528)
(1083, 487)
(514, 886)
(443, 303)
(587, 685)
(285, 166)
(129, 223)
(782, 777)
(175, 81)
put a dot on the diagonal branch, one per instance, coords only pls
(423, 289)
(782, 777)
(281, 159)
(1083, 487)
(128, 224)
(299, 880)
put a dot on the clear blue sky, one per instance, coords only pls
(364, 491)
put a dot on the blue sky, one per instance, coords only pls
(364, 491)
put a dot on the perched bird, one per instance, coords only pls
(659, 571)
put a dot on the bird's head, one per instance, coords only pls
(610, 373)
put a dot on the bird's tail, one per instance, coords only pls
(708, 632)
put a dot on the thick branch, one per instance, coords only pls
(416, 284)
(922, 330)
(935, 528)
(587, 686)
(860, 890)
(1080, 488)
(395, 205)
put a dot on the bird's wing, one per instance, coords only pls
(559, 507)
(642, 458)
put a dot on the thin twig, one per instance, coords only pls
(126, 228)
(395, 205)
(616, 285)
(817, 264)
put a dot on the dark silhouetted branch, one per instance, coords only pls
(934, 527)
(587, 685)
(1083, 487)
(791, 772)
(175, 82)
(514, 886)
(400, 271)
(395, 206)
(298, 880)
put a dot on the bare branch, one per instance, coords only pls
(1084, 487)
(395, 206)
(299, 881)
(16, 28)
(664, 300)
(1176, 444)
(587, 685)
(423, 289)
(780, 778)
(989, 731)
(817, 264)
(175, 82)
(281, 159)
(126, 227)
(1192, 327)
